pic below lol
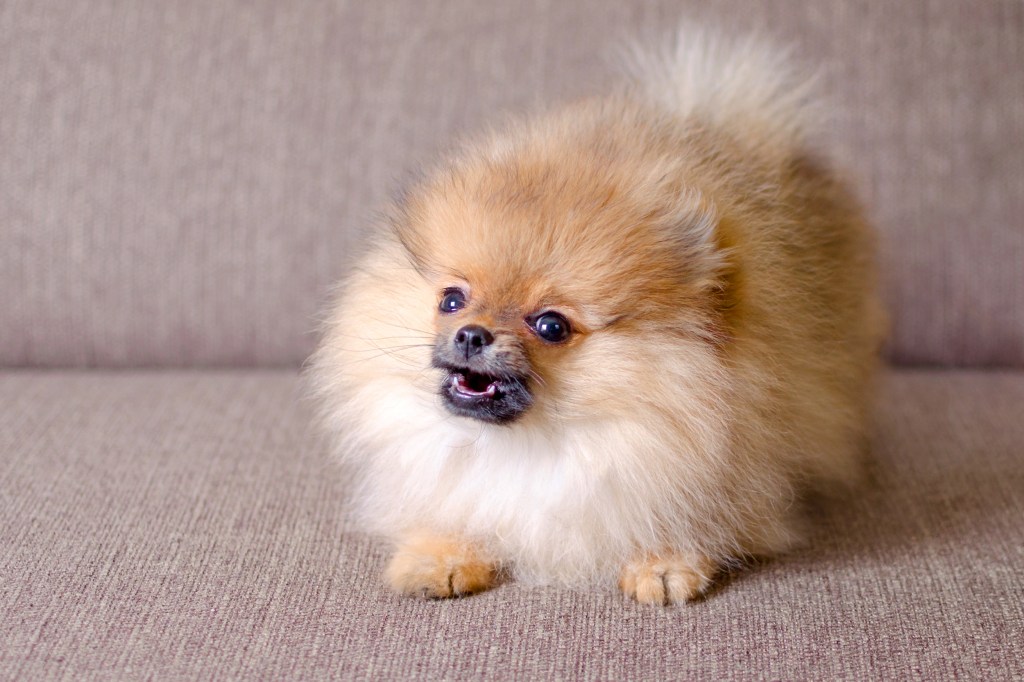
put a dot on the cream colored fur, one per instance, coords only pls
(722, 283)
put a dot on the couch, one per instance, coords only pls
(181, 183)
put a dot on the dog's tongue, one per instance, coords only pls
(466, 385)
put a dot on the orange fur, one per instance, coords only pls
(670, 579)
(431, 566)
(719, 280)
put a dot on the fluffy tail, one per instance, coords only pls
(744, 84)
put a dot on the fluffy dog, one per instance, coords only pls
(616, 340)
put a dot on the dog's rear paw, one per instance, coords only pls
(435, 568)
(667, 579)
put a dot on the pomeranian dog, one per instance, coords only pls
(614, 341)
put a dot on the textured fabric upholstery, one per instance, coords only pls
(185, 525)
(180, 182)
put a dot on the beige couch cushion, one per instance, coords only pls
(180, 182)
(184, 525)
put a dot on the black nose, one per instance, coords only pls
(471, 340)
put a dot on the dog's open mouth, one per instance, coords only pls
(491, 398)
(474, 385)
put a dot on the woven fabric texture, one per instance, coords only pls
(181, 182)
(184, 525)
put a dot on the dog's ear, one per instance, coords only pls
(704, 244)
(399, 219)
(691, 222)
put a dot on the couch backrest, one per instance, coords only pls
(181, 182)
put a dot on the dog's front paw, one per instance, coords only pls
(436, 567)
(667, 579)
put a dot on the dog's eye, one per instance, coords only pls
(452, 301)
(551, 327)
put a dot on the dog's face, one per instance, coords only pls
(498, 338)
(554, 284)
(483, 353)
